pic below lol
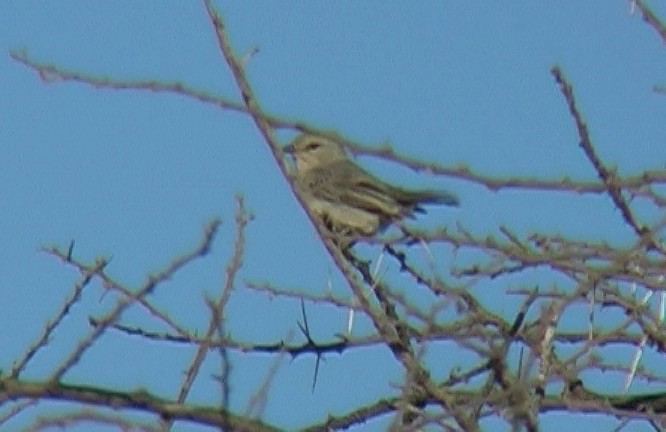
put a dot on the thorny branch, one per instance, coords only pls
(584, 273)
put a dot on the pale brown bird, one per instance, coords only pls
(349, 201)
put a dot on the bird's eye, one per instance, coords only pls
(312, 146)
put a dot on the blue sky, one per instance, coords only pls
(136, 175)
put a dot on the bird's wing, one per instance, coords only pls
(346, 183)
(384, 194)
(360, 189)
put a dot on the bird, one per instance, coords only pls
(345, 198)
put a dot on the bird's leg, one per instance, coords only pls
(345, 240)
(340, 236)
(362, 266)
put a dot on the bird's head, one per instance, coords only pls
(311, 151)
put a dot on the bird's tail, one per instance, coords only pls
(437, 197)
(413, 199)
